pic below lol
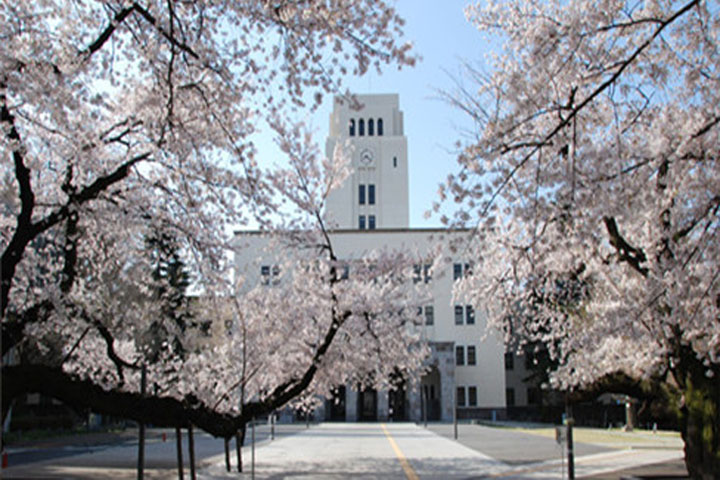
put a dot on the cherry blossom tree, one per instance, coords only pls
(123, 119)
(596, 157)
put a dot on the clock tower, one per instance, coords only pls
(375, 195)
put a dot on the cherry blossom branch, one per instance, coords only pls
(292, 388)
(26, 231)
(13, 325)
(107, 33)
(628, 24)
(173, 41)
(158, 410)
(707, 127)
(626, 252)
(587, 100)
(70, 251)
(13, 252)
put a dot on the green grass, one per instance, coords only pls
(615, 437)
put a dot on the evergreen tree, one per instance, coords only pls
(170, 281)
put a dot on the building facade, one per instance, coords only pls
(371, 210)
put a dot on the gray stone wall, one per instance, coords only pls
(382, 405)
(414, 402)
(445, 356)
(351, 399)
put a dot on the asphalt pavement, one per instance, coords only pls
(355, 450)
(113, 455)
(510, 446)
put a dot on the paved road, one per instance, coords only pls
(404, 450)
(356, 450)
(117, 457)
(509, 446)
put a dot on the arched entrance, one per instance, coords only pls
(367, 405)
(335, 406)
(397, 400)
(430, 393)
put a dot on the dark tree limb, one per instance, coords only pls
(13, 252)
(160, 411)
(712, 207)
(170, 38)
(14, 324)
(105, 35)
(572, 114)
(26, 231)
(634, 257)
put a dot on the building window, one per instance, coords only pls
(371, 127)
(270, 275)
(460, 270)
(380, 127)
(459, 355)
(429, 315)
(361, 127)
(469, 315)
(458, 315)
(417, 273)
(457, 271)
(371, 194)
(352, 127)
(471, 359)
(460, 398)
(472, 396)
(371, 222)
(344, 272)
(361, 194)
(422, 273)
(395, 162)
(533, 396)
(510, 397)
(509, 361)
(361, 222)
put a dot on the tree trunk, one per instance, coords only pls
(700, 420)
(191, 449)
(239, 440)
(178, 447)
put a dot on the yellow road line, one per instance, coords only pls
(409, 472)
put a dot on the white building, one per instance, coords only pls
(371, 210)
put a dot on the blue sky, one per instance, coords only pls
(444, 39)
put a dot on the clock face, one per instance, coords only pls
(366, 157)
